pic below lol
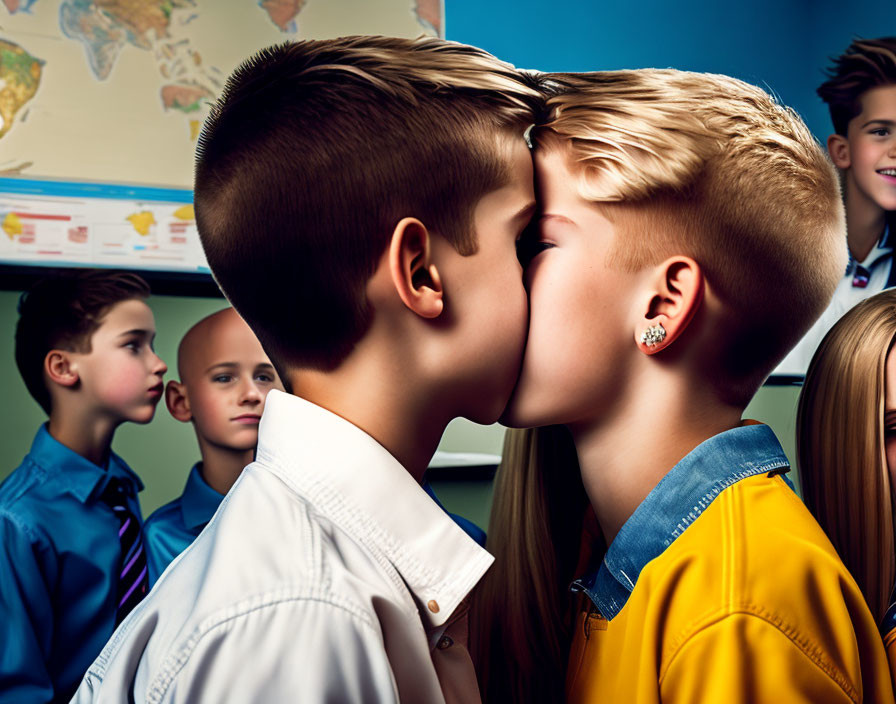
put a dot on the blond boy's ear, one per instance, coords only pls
(61, 368)
(177, 401)
(413, 273)
(674, 295)
(838, 149)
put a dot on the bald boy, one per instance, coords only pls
(225, 377)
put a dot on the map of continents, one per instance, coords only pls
(19, 81)
(148, 61)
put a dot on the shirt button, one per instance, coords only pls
(444, 642)
(433, 606)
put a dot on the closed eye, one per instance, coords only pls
(528, 249)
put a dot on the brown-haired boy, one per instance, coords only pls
(72, 563)
(359, 201)
(861, 96)
(691, 230)
(225, 377)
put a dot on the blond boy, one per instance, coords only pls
(691, 231)
(225, 377)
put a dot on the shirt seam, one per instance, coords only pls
(28, 530)
(812, 651)
(176, 662)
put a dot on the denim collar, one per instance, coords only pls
(674, 504)
(78, 475)
(199, 501)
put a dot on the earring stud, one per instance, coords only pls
(653, 335)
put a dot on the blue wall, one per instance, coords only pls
(782, 45)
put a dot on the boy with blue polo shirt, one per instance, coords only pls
(225, 377)
(71, 556)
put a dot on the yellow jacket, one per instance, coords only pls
(744, 599)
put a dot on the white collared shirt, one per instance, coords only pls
(327, 574)
(878, 264)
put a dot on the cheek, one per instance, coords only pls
(122, 381)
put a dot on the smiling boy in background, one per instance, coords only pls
(225, 377)
(861, 96)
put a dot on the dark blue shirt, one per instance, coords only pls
(675, 503)
(171, 528)
(58, 569)
(470, 528)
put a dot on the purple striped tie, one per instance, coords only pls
(133, 580)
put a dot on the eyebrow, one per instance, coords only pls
(885, 123)
(553, 216)
(525, 212)
(224, 365)
(235, 365)
(138, 331)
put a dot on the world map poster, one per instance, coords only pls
(102, 101)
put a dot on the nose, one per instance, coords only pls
(250, 394)
(159, 366)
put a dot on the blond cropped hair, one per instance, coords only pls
(841, 448)
(713, 168)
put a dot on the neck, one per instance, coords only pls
(221, 466)
(865, 221)
(625, 455)
(381, 395)
(82, 432)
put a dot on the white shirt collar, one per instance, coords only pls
(354, 481)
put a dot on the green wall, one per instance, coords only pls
(163, 451)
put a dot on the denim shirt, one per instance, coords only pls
(675, 503)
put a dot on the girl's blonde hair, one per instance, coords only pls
(840, 445)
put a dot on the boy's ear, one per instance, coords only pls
(674, 295)
(838, 149)
(177, 402)
(61, 368)
(414, 275)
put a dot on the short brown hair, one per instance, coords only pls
(866, 64)
(315, 152)
(62, 312)
(713, 168)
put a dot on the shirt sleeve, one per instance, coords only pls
(744, 658)
(307, 651)
(26, 624)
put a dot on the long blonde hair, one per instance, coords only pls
(840, 445)
(520, 625)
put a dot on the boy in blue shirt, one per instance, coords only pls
(72, 562)
(225, 377)
(861, 96)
